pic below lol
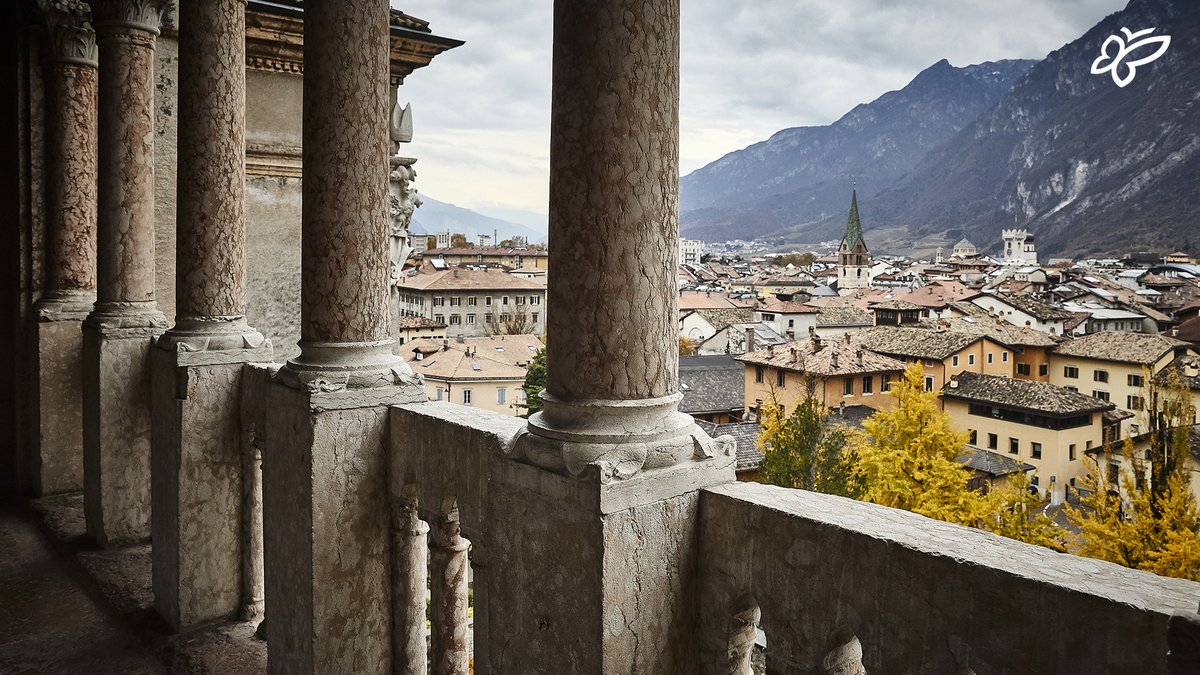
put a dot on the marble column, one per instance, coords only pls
(197, 468)
(118, 332)
(410, 575)
(71, 80)
(325, 503)
(616, 491)
(450, 642)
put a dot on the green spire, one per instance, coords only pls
(853, 224)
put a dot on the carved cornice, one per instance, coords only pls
(72, 38)
(146, 15)
(275, 43)
(273, 160)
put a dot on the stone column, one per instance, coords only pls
(197, 468)
(410, 575)
(481, 621)
(117, 334)
(325, 502)
(71, 81)
(450, 642)
(595, 555)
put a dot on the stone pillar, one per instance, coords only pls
(481, 621)
(253, 594)
(451, 638)
(71, 81)
(410, 570)
(595, 553)
(197, 467)
(117, 334)
(325, 502)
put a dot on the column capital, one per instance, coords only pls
(144, 15)
(72, 38)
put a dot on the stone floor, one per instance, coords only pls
(68, 607)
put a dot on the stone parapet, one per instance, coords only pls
(846, 584)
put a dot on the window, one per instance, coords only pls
(1100, 375)
(1014, 446)
(991, 357)
(472, 301)
(974, 437)
(533, 317)
(440, 318)
(780, 377)
(439, 393)
(470, 319)
(487, 300)
(455, 319)
(466, 397)
(1035, 450)
(455, 302)
(993, 441)
(504, 300)
(439, 302)
(505, 318)
(1071, 388)
(488, 318)
(535, 299)
(1004, 357)
(970, 359)
(1044, 369)
(868, 385)
(791, 323)
(847, 386)
(954, 360)
(1135, 380)
(1071, 372)
(758, 374)
(1102, 395)
(520, 300)
(768, 316)
(1071, 452)
(928, 383)
(1023, 369)
(885, 382)
(1135, 402)
(501, 395)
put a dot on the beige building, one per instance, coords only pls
(475, 303)
(941, 353)
(482, 372)
(841, 373)
(512, 258)
(1112, 366)
(409, 328)
(1037, 423)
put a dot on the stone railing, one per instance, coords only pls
(835, 585)
(840, 586)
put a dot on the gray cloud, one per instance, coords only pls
(482, 111)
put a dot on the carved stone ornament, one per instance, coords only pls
(72, 38)
(147, 15)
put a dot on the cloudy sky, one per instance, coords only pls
(749, 69)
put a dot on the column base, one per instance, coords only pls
(326, 528)
(56, 462)
(116, 420)
(197, 471)
(324, 367)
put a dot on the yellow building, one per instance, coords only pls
(1111, 366)
(1041, 424)
(409, 328)
(840, 373)
(484, 372)
(941, 353)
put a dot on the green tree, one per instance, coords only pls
(802, 450)
(535, 382)
(1142, 514)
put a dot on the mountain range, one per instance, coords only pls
(1087, 166)
(435, 216)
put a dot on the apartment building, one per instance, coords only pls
(941, 353)
(484, 372)
(1038, 423)
(475, 303)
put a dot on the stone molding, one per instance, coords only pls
(326, 367)
(126, 319)
(276, 161)
(142, 15)
(64, 305)
(72, 38)
(275, 43)
(215, 340)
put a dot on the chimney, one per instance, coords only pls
(859, 357)
(842, 409)
(833, 360)
(445, 344)
(812, 331)
(791, 334)
(817, 343)
(771, 350)
(749, 340)
(460, 339)
(455, 274)
(793, 353)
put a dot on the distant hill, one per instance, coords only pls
(803, 175)
(434, 216)
(1086, 166)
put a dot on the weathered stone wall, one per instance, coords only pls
(921, 596)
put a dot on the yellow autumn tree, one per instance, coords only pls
(908, 459)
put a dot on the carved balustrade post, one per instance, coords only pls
(451, 638)
(410, 579)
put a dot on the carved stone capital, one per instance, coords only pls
(325, 367)
(72, 38)
(145, 15)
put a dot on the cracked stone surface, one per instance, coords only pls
(614, 183)
(71, 157)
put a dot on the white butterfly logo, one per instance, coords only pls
(1124, 48)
